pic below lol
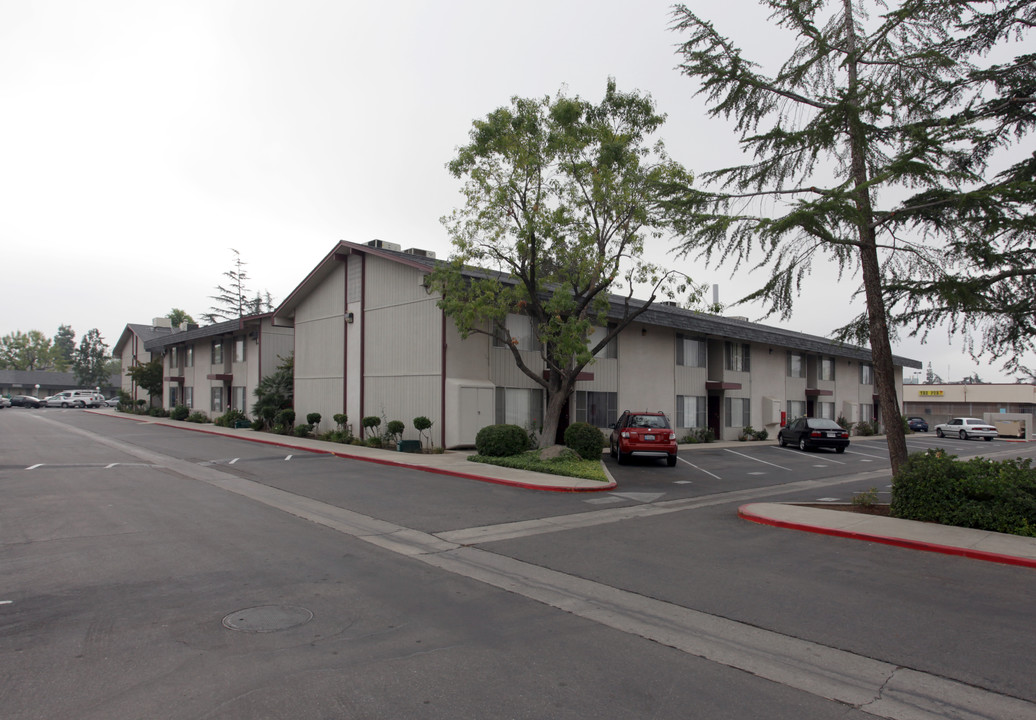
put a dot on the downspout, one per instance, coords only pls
(363, 334)
(442, 387)
(345, 337)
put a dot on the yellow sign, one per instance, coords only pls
(930, 392)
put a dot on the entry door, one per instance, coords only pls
(476, 411)
(714, 416)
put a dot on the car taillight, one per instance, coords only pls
(625, 434)
(816, 433)
(672, 436)
(845, 434)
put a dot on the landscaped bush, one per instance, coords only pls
(180, 412)
(699, 435)
(230, 418)
(501, 440)
(303, 430)
(421, 424)
(158, 412)
(198, 417)
(979, 493)
(866, 427)
(585, 439)
(394, 430)
(258, 425)
(761, 434)
(313, 418)
(369, 424)
(285, 418)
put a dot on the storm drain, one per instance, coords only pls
(267, 618)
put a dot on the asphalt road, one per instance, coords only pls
(150, 572)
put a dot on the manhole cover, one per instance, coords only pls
(267, 618)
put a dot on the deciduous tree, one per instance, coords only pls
(26, 351)
(91, 361)
(561, 196)
(149, 377)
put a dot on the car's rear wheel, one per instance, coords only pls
(938, 432)
(64, 405)
(802, 444)
(671, 460)
(987, 439)
(781, 440)
(611, 449)
(839, 450)
(963, 434)
(621, 456)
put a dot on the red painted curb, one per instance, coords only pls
(885, 540)
(377, 461)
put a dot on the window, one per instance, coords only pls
(217, 399)
(237, 397)
(520, 327)
(826, 410)
(866, 412)
(796, 409)
(690, 352)
(188, 397)
(690, 411)
(866, 374)
(737, 356)
(738, 413)
(611, 350)
(826, 368)
(239, 349)
(189, 356)
(174, 357)
(173, 396)
(217, 352)
(796, 365)
(519, 406)
(600, 409)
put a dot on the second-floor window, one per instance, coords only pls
(826, 368)
(796, 365)
(866, 374)
(690, 352)
(737, 356)
(217, 352)
(239, 350)
(189, 356)
(174, 358)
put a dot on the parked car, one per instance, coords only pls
(25, 401)
(643, 433)
(113, 401)
(966, 428)
(809, 433)
(86, 398)
(62, 399)
(4, 402)
(917, 424)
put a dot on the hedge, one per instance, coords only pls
(585, 439)
(501, 440)
(977, 493)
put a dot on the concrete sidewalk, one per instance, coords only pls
(977, 544)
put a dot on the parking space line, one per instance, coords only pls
(698, 468)
(33, 467)
(749, 457)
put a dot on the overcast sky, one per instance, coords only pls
(141, 140)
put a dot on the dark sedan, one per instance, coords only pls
(813, 433)
(25, 401)
(917, 424)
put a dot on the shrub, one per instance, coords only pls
(158, 412)
(501, 440)
(988, 495)
(198, 417)
(585, 439)
(842, 422)
(180, 412)
(285, 418)
(866, 427)
(760, 434)
(422, 424)
(747, 432)
(303, 430)
(395, 430)
(341, 419)
(370, 422)
(699, 435)
(258, 425)
(313, 418)
(374, 442)
(230, 418)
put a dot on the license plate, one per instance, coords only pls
(649, 437)
(832, 434)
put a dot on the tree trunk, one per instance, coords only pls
(870, 265)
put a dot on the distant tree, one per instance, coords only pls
(260, 304)
(930, 377)
(178, 317)
(90, 363)
(561, 196)
(149, 377)
(26, 351)
(233, 300)
(64, 348)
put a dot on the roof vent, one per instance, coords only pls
(383, 245)
(668, 303)
(419, 251)
(742, 318)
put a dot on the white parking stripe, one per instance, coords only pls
(699, 469)
(757, 459)
(33, 467)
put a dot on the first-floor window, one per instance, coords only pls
(600, 409)
(826, 410)
(217, 399)
(173, 395)
(690, 411)
(188, 396)
(738, 413)
(796, 409)
(237, 397)
(866, 412)
(519, 406)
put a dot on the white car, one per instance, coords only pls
(966, 428)
(4, 402)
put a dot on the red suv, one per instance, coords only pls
(643, 433)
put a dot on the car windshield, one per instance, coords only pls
(974, 421)
(823, 424)
(648, 421)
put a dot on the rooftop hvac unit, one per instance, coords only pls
(383, 245)
(419, 251)
(669, 303)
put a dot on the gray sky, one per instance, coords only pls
(141, 140)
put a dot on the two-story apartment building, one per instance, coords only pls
(131, 350)
(370, 339)
(217, 367)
